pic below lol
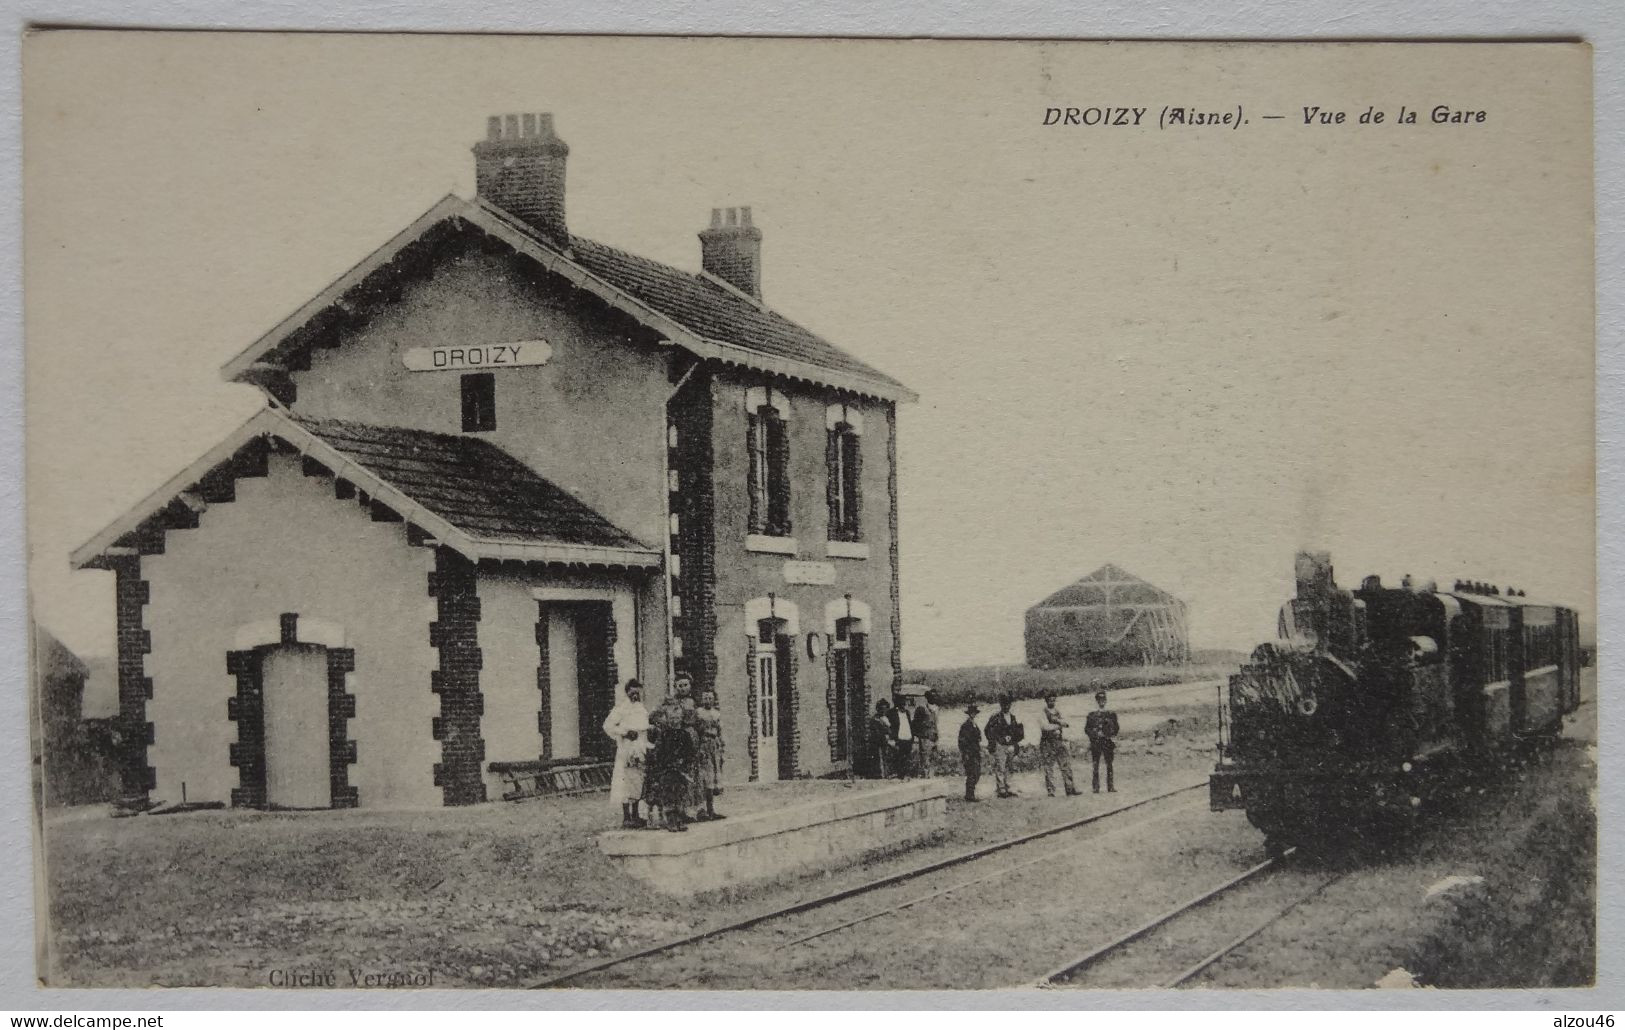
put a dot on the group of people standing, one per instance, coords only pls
(669, 759)
(1004, 733)
(902, 740)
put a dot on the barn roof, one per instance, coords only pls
(691, 310)
(1108, 585)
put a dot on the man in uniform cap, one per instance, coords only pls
(970, 750)
(1101, 729)
(1004, 732)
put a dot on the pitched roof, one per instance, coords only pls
(464, 492)
(1108, 585)
(691, 310)
(714, 310)
(471, 483)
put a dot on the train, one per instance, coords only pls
(1373, 702)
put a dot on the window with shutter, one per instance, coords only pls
(851, 486)
(843, 457)
(778, 472)
(756, 472)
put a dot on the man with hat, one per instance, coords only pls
(970, 750)
(1004, 732)
(1101, 729)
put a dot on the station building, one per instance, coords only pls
(501, 470)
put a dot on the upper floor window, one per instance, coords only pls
(479, 402)
(768, 474)
(844, 464)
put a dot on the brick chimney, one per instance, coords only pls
(519, 167)
(731, 250)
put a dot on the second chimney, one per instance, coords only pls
(731, 250)
(519, 167)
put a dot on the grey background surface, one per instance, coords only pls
(1600, 23)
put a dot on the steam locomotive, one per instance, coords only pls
(1372, 699)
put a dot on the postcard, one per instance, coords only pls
(721, 513)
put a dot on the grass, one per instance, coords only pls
(986, 682)
(491, 895)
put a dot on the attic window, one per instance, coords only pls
(479, 402)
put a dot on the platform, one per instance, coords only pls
(797, 838)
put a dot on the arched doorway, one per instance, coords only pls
(847, 623)
(773, 625)
(294, 679)
(292, 709)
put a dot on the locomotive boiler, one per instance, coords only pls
(1372, 699)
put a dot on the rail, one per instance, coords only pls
(808, 904)
(1076, 965)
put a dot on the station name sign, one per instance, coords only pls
(815, 573)
(477, 355)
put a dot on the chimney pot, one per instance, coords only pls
(519, 167)
(731, 250)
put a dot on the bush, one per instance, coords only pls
(984, 683)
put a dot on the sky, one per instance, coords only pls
(1189, 352)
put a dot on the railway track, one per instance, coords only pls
(574, 975)
(1076, 969)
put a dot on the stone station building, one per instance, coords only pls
(502, 469)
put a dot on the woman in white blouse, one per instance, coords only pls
(628, 727)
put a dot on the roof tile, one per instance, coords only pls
(471, 483)
(712, 310)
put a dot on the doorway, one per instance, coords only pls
(294, 678)
(773, 671)
(851, 689)
(581, 678)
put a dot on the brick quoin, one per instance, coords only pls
(752, 741)
(790, 702)
(611, 634)
(544, 682)
(857, 736)
(455, 634)
(891, 532)
(246, 708)
(130, 592)
(695, 505)
(341, 750)
(832, 731)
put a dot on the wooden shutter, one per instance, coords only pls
(778, 473)
(753, 483)
(832, 483)
(858, 701)
(852, 488)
